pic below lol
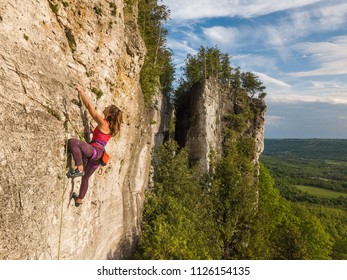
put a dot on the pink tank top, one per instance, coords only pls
(100, 138)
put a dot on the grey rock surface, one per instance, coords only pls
(47, 47)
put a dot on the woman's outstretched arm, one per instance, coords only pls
(98, 118)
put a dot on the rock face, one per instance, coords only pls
(199, 128)
(46, 47)
(200, 125)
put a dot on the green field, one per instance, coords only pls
(328, 149)
(318, 163)
(319, 192)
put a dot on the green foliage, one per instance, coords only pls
(321, 192)
(98, 10)
(158, 69)
(312, 162)
(176, 223)
(234, 200)
(229, 214)
(207, 63)
(251, 83)
(318, 243)
(97, 92)
(65, 4)
(54, 113)
(224, 217)
(212, 63)
(238, 122)
(234, 192)
(319, 149)
(113, 6)
(71, 39)
(283, 230)
(54, 7)
(335, 224)
(319, 163)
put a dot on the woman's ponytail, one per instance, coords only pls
(115, 118)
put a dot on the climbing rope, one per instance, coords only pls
(63, 192)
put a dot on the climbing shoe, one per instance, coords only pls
(75, 197)
(75, 173)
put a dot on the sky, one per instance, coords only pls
(297, 48)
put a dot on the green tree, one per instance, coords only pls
(234, 192)
(158, 69)
(207, 63)
(317, 241)
(177, 222)
(283, 230)
(340, 249)
(251, 83)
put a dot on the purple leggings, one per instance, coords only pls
(79, 149)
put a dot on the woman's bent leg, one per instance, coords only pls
(79, 148)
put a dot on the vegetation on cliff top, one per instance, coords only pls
(212, 63)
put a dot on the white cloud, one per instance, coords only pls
(282, 34)
(305, 93)
(222, 35)
(196, 9)
(330, 58)
(332, 17)
(292, 98)
(273, 42)
(273, 120)
(267, 80)
(302, 23)
(288, 90)
(249, 62)
(329, 84)
(181, 46)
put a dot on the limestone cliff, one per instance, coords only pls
(46, 47)
(200, 123)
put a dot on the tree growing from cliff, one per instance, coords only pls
(158, 69)
(251, 83)
(207, 63)
(212, 63)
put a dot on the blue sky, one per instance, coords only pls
(297, 48)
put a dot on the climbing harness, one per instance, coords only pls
(105, 156)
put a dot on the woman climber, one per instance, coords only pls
(107, 126)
